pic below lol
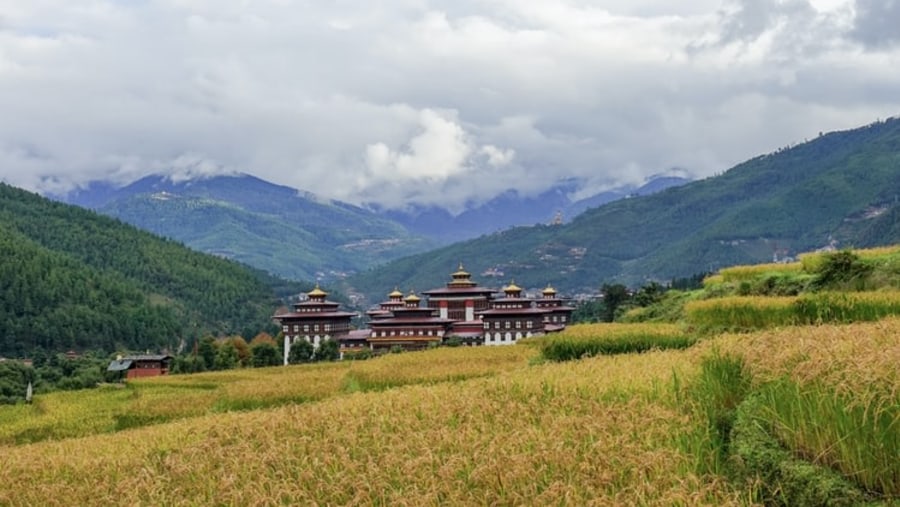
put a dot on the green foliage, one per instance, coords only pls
(453, 341)
(226, 357)
(301, 352)
(842, 269)
(71, 279)
(589, 312)
(358, 355)
(614, 297)
(14, 378)
(188, 364)
(329, 350)
(264, 354)
(268, 226)
(207, 350)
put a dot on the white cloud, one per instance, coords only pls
(429, 101)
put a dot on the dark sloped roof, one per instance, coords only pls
(147, 357)
(118, 365)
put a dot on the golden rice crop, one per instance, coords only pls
(858, 359)
(155, 400)
(740, 312)
(599, 432)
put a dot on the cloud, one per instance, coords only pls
(426, 101)
(876, 23)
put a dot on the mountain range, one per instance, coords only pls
(840, 189)
(287, 232)
(298, 235)
(512, 208)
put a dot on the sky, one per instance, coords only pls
(426, 102)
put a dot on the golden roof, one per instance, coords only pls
(396, 293)
(461, 272)
(412, 298)
(512, 287)
(317, 292)
(549, 291)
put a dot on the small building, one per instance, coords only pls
(145, 365)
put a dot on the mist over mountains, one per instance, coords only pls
(298, 235)
(839, 190)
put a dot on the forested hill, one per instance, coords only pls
(840, 189)
(272, 227)
(73, 279)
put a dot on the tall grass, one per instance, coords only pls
(846, 307)
(587, 340)
(740, 313)
(748, 313)
(860, 441)
(831, 394)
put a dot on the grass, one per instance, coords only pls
(587, 340)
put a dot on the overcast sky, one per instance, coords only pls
(433, 102)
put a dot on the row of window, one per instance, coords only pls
(315, 328)
(508, 324)
(500, 338)
(375, 334)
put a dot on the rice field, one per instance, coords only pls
(602, 414)
(593, 432)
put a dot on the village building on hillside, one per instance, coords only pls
(144, 365)
(462, 312)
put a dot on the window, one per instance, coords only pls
(296, 328)
(507, 325)
(487, 325)
(316, 328)
(327, 327)
(562, 318)
(518, 324)
(497, 325)
(285, 328)
(306, 328)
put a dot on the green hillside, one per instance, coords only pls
(267, 226)
(72, 279)
(841, 188)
